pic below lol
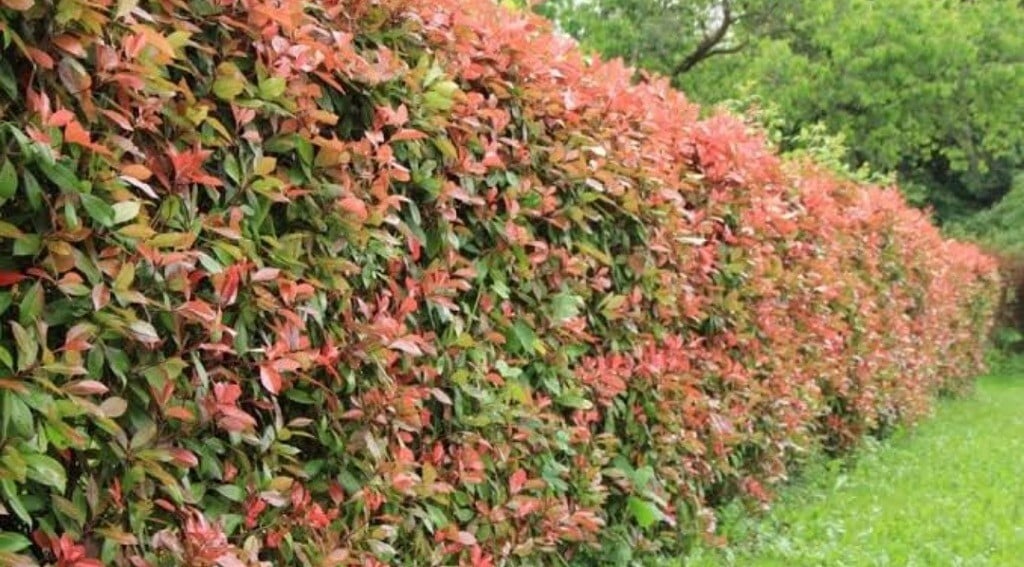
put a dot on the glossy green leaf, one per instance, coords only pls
(229, 82)
(28, 245)
(12, 499)
(98, 209)
(8, 180)
(645, 513)
(32, 304)
(60, 175)
(47, 470)
(13, 542)
(272, 88)
(28, 348)
(8, 84)
(16, 418)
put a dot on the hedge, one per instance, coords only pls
(415, 282)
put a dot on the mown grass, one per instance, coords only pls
(948, 492)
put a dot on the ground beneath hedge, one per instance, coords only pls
(950, 492)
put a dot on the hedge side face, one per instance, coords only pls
(412, 282)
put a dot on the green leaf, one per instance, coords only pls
(574, 400)
(33, 191)
(75, 512)
(232, 168)
(27, 347)
(14, 462)
(28, 245)
(98, 209)
(210, 264)
(645, 513)
(13, 543)
(272, 88)
(565, 306)
(126, 211)
(31, 306)
(8, 180)
(231, 492)
(13, 500)
(119, 362)
(6, 360)
(17, 417)
(8, 230)
(61, 176)
(305, 151)
(229, 82)
(124, 8)
(144, 436)
(642, 477)
(7, 81)
(144, 332)
(71, 216)
(46, 470)
(524, 336)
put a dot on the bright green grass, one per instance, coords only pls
(948, 492)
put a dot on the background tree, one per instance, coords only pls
(930, 90)
(668, 36)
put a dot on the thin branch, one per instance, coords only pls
(708, 46)
(727, 50)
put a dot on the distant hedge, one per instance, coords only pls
(414, 282)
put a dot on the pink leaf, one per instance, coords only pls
(406, 345)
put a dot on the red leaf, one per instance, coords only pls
(180, 413)
(234, 419)
(100, 297)
(266, 275)
(270, 378)
(74, 133)
(226, 394)
(226, 284)
(8, 279)
(61, 118)
(70, 44)
(465, 538)
(408, 134)
(415, 248)
(516, 482)
(199, 310)
(183, 458)
(188, 167)
(406, 345)
(138, 171)
(40, 58)
(119, 119)
(18, 5)
(85, 388)
(355, 206)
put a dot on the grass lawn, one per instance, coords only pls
(949, 492)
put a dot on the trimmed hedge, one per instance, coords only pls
(413, 282)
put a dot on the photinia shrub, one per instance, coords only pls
(372, 282)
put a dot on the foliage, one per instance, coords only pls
(670, 37)
(999, 230)
(945, 493)
(1000, 227)
(811, 142)
(929, 90)
(408, 280)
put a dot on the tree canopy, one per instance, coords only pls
(933, 91)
